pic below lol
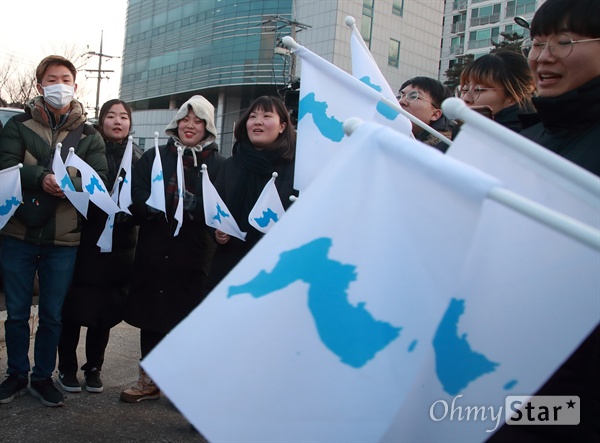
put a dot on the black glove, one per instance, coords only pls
(189, 201)
(122, 217)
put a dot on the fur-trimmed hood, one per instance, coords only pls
(203, 109)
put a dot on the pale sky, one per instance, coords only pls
(33, 29)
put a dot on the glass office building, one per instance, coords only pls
(229, 51)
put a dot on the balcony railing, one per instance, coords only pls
(459, 4)
(483, 43)
(511, 11)
(458, 26)
(494, 18)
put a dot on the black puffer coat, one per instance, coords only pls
(169, 272)
(570, 125)
(101, 280)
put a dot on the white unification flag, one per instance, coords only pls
(106, 236)
(180, 191)
(10, 193)
(157, 186)
(92, 183)
(520, 165)
(268, 209)
(216, 213)
(332, 334)
(124, 190)
(329, 96)
(364, 66)
(80, 200)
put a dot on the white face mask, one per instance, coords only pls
(59, 95)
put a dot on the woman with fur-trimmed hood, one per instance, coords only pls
(170, 271)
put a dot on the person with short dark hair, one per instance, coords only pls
(43, 234)
(422, 97)
(501, 80)
(100, 283)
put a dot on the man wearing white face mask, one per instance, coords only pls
(43, 234)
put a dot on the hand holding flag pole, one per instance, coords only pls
(294, 46)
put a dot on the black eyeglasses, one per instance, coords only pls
(560, 46)
(474, 91)
(413, 96)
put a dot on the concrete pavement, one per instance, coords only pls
(96, 417)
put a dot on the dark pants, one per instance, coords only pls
(95, 344)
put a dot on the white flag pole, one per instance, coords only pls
(549, 217)
(457, 109)
(293, 45)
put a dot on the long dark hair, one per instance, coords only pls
(104, 110)
(286, 141)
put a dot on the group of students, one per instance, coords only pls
(152, 278)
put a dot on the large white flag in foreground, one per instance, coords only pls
(329, 96)
(10, 193)
(329, 333)
(524, 166)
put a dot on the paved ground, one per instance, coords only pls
(97, 417)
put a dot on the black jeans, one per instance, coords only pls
(95, 345)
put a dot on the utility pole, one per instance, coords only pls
(99, 71)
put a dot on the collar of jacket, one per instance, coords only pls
(76, 116)
(579, 107)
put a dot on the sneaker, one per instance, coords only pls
(68, 382)
(46, 392)
(92, 381)
(144, 389)
(13, 385)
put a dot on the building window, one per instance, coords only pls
(394, 53)
(519, 7)
(366, 24)
(485, 15)
(483, 38)
(398, 7)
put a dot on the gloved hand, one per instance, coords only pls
(189, 201)
(122, 217)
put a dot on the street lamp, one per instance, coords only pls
(521, 22)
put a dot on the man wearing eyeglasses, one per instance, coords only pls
(564, 57)
(422, 97)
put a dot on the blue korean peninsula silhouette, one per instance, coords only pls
(158, 177)
(329, 127)
(266, 218)
(94, 184)
(350, 332)
(367, 81)
(220, 213)
(66, 183)
(9, 204)
(456, 364)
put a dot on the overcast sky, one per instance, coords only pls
(33, 29)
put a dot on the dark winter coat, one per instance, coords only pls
(31, 139)
(509, 117)
(169, 272)
(101, 279)
(240, 183)
(570, 125)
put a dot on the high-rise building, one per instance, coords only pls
(230, 51)
(470, 26)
